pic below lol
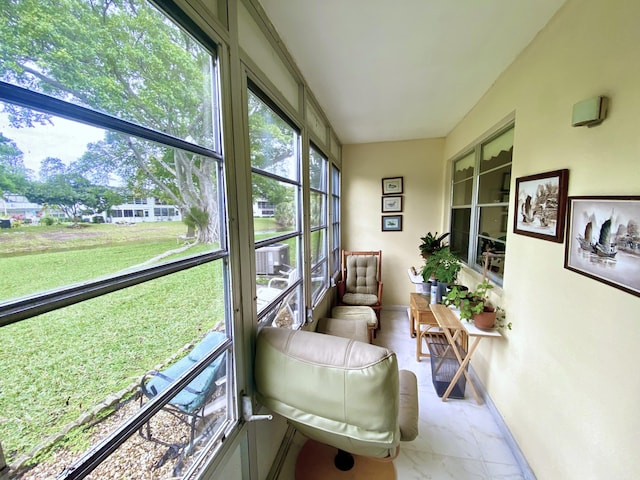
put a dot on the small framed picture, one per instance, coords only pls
(541, 205)
(392, 223)
(392, 204)
(392, 186)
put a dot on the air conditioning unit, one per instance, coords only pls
(270, 260)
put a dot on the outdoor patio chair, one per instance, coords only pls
(188, 405)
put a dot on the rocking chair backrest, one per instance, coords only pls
(361, 271)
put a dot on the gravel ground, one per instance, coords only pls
(136, 459)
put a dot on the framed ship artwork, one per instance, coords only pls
(603, 240)
(541, 205)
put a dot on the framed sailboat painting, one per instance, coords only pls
(603, 240)
(541, 205)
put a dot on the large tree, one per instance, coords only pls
(13, 174)
(125, 58)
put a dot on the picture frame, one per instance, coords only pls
(392, 203)
(392, 185)
(603, 240)
(541, 205)
(392, 223)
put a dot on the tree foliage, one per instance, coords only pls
(272, 147)
(122, 57)
(73, 194)
(13, 174)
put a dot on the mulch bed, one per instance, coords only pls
(137, 458)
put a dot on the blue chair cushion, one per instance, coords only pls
(193, 396)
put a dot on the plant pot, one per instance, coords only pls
(485, 320)
(442, 291)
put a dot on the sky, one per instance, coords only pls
(64, 139)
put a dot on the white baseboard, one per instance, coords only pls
(502, 426)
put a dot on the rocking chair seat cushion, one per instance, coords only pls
(359, 299)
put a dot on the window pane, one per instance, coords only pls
(319, 262)
(282, 199)
(493, 222)
(460, 230)
(463, 168)
(283, 310)
(497, 152)
(121, 58)
(492, 236)
(317, 171)
(335, 181)
(318, 213)
(76, 207)
(494, 186)
(318, 246)
(72, 363)
(463, 192)
(274, 151)
(273, 142)
(495, 261)
(318, 281)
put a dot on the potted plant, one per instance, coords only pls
(475, 305)
(442, 266)
(431, 243)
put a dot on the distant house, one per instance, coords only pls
(143, 210)
(135, 210)
(263, 208)
(18, 206)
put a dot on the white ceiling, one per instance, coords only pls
(387, 70)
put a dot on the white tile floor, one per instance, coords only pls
(458, 439)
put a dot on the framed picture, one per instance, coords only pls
(392, 186)
(392, 204)
(603, 240)
(392, 223)
(541, 205)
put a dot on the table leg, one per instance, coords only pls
(462, 369)
(412, 322)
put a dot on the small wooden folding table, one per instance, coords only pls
(453, 330)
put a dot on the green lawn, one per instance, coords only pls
(57, 365)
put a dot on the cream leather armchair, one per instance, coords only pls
(337, 391)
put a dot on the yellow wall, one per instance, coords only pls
(565, 378)
(363, 168)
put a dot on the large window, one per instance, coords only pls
(318, 185)
(275, 166)
(480, 202)
(103, 102)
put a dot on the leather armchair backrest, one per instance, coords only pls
(335, 390)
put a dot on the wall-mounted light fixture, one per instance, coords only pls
(589, 112)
